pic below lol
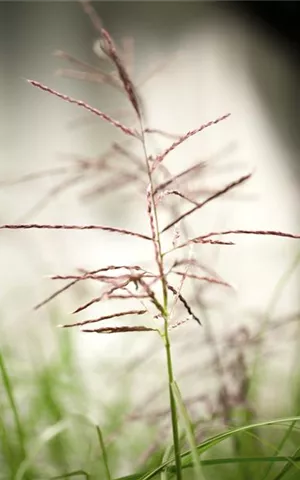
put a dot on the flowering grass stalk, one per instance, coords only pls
(134, 282)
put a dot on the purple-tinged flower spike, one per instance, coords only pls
(86, 106)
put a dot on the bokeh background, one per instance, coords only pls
(195, 61)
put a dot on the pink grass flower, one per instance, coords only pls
(86, 106)
(185, 137)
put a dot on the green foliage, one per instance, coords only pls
(43, 436)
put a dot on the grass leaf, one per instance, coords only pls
(104, 453)
(189, 431)
(207, 444)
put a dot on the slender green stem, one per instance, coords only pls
(104, 452)
(279, 448)
(167, 455)
(190, 433)
(13, 405)
(172, 403)
(160, 266)
(166, 318)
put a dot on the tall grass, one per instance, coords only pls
(49, 438)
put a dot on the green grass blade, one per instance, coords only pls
(6, 444)
(166, 456)
(134, 476)
(288, 466)
(271, 307)
(189, 431)
(280, 446)
(217, 439)
(76, 473)
(12, 403)
(223, 461)
(234, 460)
(46, 437)
(104, 452)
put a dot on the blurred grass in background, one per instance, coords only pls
(48, 428)
(46, 425)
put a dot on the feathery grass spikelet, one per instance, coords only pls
(153, 229)
(272, 233)
(103, 296)
(54, 295)
(92, 14)
(93, 274)
(193, 169)
(90, 276)
(40, 226)
(177, 193)
(185, 137)
(122, 150)
(92, 77)
(176, 236)
(183, 301)
(173, 136)
(151, 295)
(111, 51)
(215, 195)
(78, 279)
(54, 192)
(105, 317)
(74, 60)
(86, 106)
(126, 329)
(202, 278)
(183, 278)
(28, 177)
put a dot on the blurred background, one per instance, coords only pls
(193, 62)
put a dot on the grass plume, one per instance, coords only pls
(163, 303)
